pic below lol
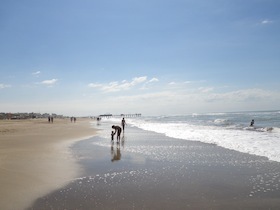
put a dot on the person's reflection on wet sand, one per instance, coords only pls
(115, 154)
(122, 141)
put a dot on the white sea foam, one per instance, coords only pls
(230, 131)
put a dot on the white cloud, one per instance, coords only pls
(194, 82)
(266, 21)
(154, 80)
(138, 80)
(94, 85)
(36, 73)
(247, 95)
(118, 86)
(205, 89)
(159, 98)
(2, 86)
(50, 82)
(196, 100)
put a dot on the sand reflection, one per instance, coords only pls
(116, 150)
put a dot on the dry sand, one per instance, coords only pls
(35, 158)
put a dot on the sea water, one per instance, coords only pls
(228, 130)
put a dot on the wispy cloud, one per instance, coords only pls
(246, 95)
(200, 100)
(194, 82)
(118, 86)
(36, 73)
(206, 89)
(49, 83)
(138, 80)
(153, 80)
(2, 86)
(266, 21)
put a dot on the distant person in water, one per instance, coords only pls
(252, 123)
(123, 124)
(118, 130)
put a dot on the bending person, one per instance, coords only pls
(118, 130)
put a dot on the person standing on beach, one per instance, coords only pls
(123, 124)
(118, 130)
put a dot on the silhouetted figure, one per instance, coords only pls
(123, 124)
(112, 136)
(118, 130)
(252, 123)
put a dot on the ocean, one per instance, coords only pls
(229, 130)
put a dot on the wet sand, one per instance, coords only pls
(35, 158)
(151, 171)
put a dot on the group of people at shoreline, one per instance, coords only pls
(50, 119)
(118, 130)
(73, 119)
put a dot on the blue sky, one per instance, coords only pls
(153, 57)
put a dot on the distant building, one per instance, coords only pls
(32, 115)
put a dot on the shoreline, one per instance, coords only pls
(35, 158)
(147, 170)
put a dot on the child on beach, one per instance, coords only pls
(112, 135)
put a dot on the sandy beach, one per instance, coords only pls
(147, 170)
(35, 158)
